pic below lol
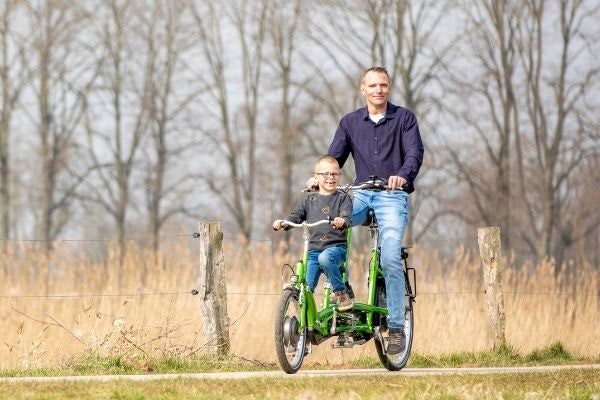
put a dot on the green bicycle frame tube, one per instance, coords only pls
(347, 260)
(308, 307)
(372, 281)
(311, 309)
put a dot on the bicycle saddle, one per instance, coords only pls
(371, 219)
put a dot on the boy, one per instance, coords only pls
(327, 244)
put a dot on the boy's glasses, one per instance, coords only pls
(329, 174)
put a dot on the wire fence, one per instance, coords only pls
(236, 240)
(260, 294)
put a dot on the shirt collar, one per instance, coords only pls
(390, 112)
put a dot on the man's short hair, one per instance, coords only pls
(375, 69)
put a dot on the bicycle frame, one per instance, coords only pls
(322, 321)
(300, 323)
(308, 307)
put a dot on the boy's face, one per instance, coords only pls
(328, 175)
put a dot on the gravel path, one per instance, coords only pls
(300, 374)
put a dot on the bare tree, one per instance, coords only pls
(61, 78)
(486, 104)
(119, 120)
(556, 97)
(13, 78)
(578, 232)
(293, 111)
(167, 187)
(233, 105)
(523, 98)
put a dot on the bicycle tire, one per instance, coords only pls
(290, 342)
(399, 361)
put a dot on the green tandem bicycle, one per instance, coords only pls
(300, 323)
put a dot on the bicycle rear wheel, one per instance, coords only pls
(290, 340)
(397, 361)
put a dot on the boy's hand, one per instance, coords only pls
(277, 224)
(338, 222)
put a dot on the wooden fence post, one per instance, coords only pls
(490, 253)
(212, 288)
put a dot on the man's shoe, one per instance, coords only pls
(397, 341)
(343, 301)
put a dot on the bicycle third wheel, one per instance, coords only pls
(290, 341)
(397, 361)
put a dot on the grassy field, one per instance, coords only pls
(54, 310)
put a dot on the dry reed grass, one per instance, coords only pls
(54, 309)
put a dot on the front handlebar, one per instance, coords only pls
(291, 224)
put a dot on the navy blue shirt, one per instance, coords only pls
(393, 146)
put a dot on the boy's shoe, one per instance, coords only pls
(349, 291)
(343, 301)
(397, 341)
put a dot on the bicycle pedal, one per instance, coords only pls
(344, 344)
(348, 318)
(346, 315)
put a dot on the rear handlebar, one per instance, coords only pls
(375, 184)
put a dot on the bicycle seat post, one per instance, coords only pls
(372, 223)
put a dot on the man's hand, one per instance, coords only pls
(277, 225)
(395, 182)
(312, 184)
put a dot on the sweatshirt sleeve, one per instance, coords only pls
(346, 209)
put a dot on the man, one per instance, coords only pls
(385, 142)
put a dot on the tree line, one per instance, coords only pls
(122, 116)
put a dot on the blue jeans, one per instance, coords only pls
(391, 210)
(328, 261)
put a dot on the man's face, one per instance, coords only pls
(376, 88)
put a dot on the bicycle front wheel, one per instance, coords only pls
(397, 361)
(290, 340)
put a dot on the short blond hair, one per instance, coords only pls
(327, 159)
